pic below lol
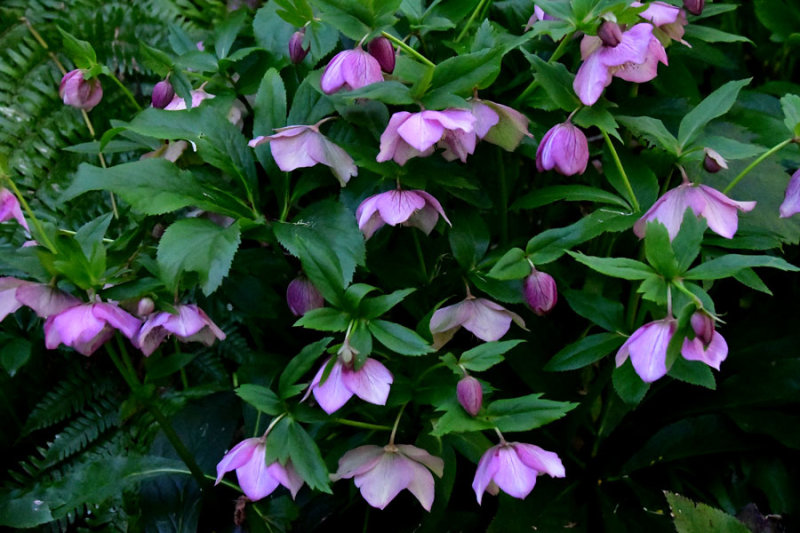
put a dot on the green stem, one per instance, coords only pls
(35, 221)
(396, 424)
(474, 14)
(755, 163)
(558, 52)
(693, 297)
(286, 197)
(126, 91)
(362, 425)
(408, 49)
(258, 421)
(420, 256)
(621, 169)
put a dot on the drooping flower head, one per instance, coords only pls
(513, 467)
(370, 383)
(8, 295)
(86, 327)
(44, 299)
(10, 208)
(791, 200)
(382, 50)
(198, 96)
(190, 324)
(256, 478)
(296, 51)
(350, 69)
(409, 208)
(563, 148)
(485, 319)
(458, 144)
(713, 162)
(163, 93)
(470, 394)
(647, 348)
(415, 134)
(76, 91)
(302, 296)
(708, 346)
(540, 291)
(666, 17)
(381, 472)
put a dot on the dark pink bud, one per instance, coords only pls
(162, 94)
(302, 296)
(610, 33)
(381, 49)
(703, 326)
(77, 92)
(540, 292)
(470, 394)
(563, 148)
(296, 51)
(713, 162)
(695, 7)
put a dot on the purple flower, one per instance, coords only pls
(415, 134)
(296, 51)
(540, 292)
(382, 50)
(647, 348)
(44, 299)
(791, 201)
(470, 394)
(708, 346)
(668, 18)
(713, 162)
(563, 148)
(88, 326)
(9, 208)
(513, 467)
(295, 147)
(610, 33)
(350, 69)
(486, 319)
(382, 472)
(302, 296)
(8, 295)
(695, 7)
(370, 383)
(409, 208)
(719, 211)
(190, 324)
(256, 478)
(179, 104)
(78, 92)
(163, 93)
(458, 144)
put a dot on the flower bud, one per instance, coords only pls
(381, 49)
(540, 292)
(695, 7)
(714, 162)
(563, 148)
(145, 306)
(302, 296)
(470, 394)
(703, 326)
(162, 94)
(78, 92)
(296, 51)
(610, 33)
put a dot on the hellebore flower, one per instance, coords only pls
(458, 144)
(256, 477)
(304, 146)
(695, 7)
(78, 92)
(190, 324)
(178, 104)
(382, 50)
(563, 148)
(9, 208)
(381, 472)
(350, 69)
(163, 93)
(409, 208)
(509, 129)
(713, 162)
(719, 211)
(513, 467)
(414, 134)
(470, 394)
(44, 299)
(540, 291)
(8, 295)
(668, 18)
(296, 51)
(708, 346)
(791, 200)
(647, 348)
(370, 383)
(302, 296)
(88, 326)
(486, 319)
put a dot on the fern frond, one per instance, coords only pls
(84, 430)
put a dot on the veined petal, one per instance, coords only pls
(485, 118)
(236, 457)
(332, 394)
(420, 133)
(333, 78)
(75, 325)
(421, 484)
(286, 476)
(254, 476)
(397, 206)
(712, 355)
(669, 210)
(379, 485)
(360, 69)
(485, 322)
(44, 299)
(592, 78)
(487, 469)
(296, 151)
(390, 139)
(338, 160)
(357, 461)
(152, 333)
(646, 70)
(118, 318)
(648, 351)
(436, 464)
(540, 460)
(632, 49)
(370, 383)
(8, 295)
(513, 476)
(452, 119)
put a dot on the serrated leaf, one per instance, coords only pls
(513, 265)
(486, 355)
(692, 517)
(618, 267)
(298, 366)
(398, 338)
(584, 352)
(715, 104)
(790, 104)
(652, 130)
(261, 398)
(557, 82)
(306, 458)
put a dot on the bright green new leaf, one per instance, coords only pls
(716, 104)
(693, 517)
(513, 265)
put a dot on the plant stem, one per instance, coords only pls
(408, 49)
(258, 421)
(396, 423)
(35, 221)
(755, 163)
(125, 90)
(362, 425)
(621, 169)
(472, 16)
(43, 44)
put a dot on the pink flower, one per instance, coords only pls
(647, 348)
(513, 467)
(190, 324)
(163, 93)
(382, 472)
(668, 18)
(302, 296)
(719, 211)
(409, 208)
(295, 147)
(508, 130)
(382, 50)
(8, 296)
(540, 292)
(296, 51)
(9, 208)
(634, 59)
(470, 394)
(44, 299)
(178, 104)
(415, 134)
(791, 201)
(708, 346)
(486, 319)
(88, 326)
(458, 144)
(563, 148)
(370, 383)
(350, 69)
(256, 478)
(78, 92)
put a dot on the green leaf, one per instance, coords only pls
(319, 261)
(691, 517)
(388, 92)
(460, 75)
(513, 265)
(298, 366)
(716, 104)
(658, 250)
(653, 131)
(324, 319)
(778, 16)
(306, 459)
(273, 32)
(226, 33)
(14, 355)
(354, 294)
(688, 240)
(486, 355)
(628, 385)
(261, 398)
(618, 267)
(351, 17)
(375, 307)
(398, 338)
(197, 245)
(568, 193)
(599, 117)
(694, 372)
(730, 264)
(713, 35)
(790, 104)
(81, 52)
(557, 82)
(309, 105)
(608, 314)
(584, 352)
(469, 238)
(270, 113)
(526, 413)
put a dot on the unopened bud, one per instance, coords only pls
(162, 94)
(470, 394)
(302, 296)
(540, 292)
(703, 326)
(381, 49)
(695, 7)
(145, 307)
(78, 92)
(610, 33)
(714, 162)
(296, 51)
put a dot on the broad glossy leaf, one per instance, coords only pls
(715, 104)
(261, 398)
(584, 352)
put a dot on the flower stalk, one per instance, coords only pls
(775, 149)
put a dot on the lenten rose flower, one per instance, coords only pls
(44, 299)
(647, 348)
(77, 91)
(458, 144)
(189, 324)
(668, 18)
(350, 69)
(8, 295)
(382, 50)
(564, 148)
(540, 292)
(257, 478)
(415, 134)
(470, 394)
(791, 200)
(381, 472)
(88, 326)
(409, 208)
(708, 345)
(302, 296)
(10, 208)
(370, 383)
(487, 320)
(178, 103)
(513, 467)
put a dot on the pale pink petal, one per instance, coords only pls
(357, 461)
(8, 295)
(436, 464)
(513, 477)
(390, 138)
(152, 333)
(485, 118)
(648, 350)
(633, 48)
(721, 212)
(254, 477)
(237, 457)
(540, 460)
(421, 484)
(333, 77)
(712, 355)
(261, 139)
(452, 119)
(424, 219)
(286, 476)
(370, 383)
(332, 394)
(397, 206)
(338, 160)
(791, 200)
(10, 208)
(74, 325)
(487, 469)
(118, 318)
(360, 69)
(433, 202)
(669, 210)
(379, 485)
(485, 322)
(458, 145)
(646, 70)
(296, 151)
(447, 320)
(589, 45)
(592, 78)
(44, 299)
(660, 13)
(420, 133)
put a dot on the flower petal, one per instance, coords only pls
(791, 200)
(379, 485)
(487, 468)
(712, 355)
(370, 383)
(421, 484)
(236, 457)
(357, 461)
(333, 393)
(397, 206)
(513, 476)
(540, 460)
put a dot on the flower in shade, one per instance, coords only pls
(708, 345)
(381, 472)
(295, 147)
(296, 51)
(409, 208)
(538, 14)
(647, 348)
(513, 467)
(382, 50)
(720, 212)
(189, 324)
(302, 296)
(370, 383)
(350, 69)
(163, 93)
(415, 134)
(8, 295)
(668, 18)
(508, 130)
(458, 144)
(791, 200)
(470, 394)
(257, 478)
(178, 103)
(713, 162)
(563, 148)
(487, 320)
(9, 208)
(540, 292)
(88, 326)
(76, 91)
(695, 7)
(44, 299)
